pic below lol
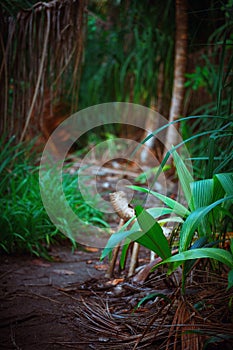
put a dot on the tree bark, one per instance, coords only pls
(179, 71)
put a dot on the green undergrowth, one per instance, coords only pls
(25, 226)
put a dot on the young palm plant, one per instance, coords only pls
(204, 221)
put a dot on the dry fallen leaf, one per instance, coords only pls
(91, 249)
(102, 267)
(89, 262)
(116, 281)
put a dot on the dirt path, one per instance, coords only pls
(36, 298)
(41, 302)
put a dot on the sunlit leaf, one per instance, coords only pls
(117, 237)
(176, 207)
(153, 236)
(185, 177)
(214, 253)
(157, 212)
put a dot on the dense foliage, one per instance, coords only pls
(25, 226)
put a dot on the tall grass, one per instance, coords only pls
(24, 224)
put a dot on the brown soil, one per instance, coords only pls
(35, 306)
(69, 304)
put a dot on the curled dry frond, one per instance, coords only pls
(121, 205)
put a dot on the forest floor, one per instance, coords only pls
(37, 298)
(68, 303)
(40, 300)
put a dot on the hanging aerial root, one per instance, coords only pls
(34, 71)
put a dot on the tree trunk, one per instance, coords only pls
(179, 71)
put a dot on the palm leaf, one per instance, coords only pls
(118, 237)
(176, 207)
(153, 237)
(185, 178)
(193, 220)
(202, 196)
(202, 193)
(213, 253)
(226, 180)
(230, 279)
